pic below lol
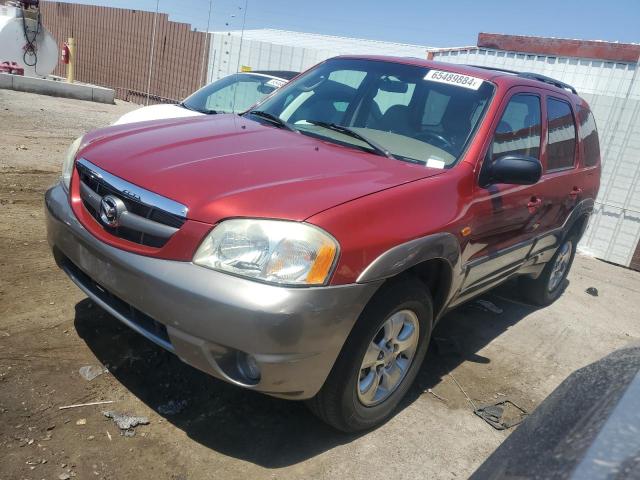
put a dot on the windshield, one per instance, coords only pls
(232, 94)
(411, 112)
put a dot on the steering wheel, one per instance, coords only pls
(441, 142)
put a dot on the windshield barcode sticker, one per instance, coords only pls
(457, 79)
(274, 82)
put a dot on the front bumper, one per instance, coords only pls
(209, 318)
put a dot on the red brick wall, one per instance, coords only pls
(615, 52)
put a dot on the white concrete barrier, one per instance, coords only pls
(42, 86)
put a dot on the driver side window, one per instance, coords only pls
(519, 130)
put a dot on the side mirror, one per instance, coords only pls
(516, 170)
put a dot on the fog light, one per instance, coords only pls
(248, 365)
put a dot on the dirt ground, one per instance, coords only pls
(49, 330)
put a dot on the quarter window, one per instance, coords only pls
(518, 132)
(589, 137)
(561, 149)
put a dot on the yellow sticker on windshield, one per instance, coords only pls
(457, 79)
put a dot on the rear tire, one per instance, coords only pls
(347, 400)
(546, 289)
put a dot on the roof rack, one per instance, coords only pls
(532, 76)
(549, 80)
(495, 69)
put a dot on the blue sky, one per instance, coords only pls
(422, 22)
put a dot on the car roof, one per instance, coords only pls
(505, 78)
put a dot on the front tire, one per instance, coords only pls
(379, 360)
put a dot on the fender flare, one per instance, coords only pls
(443, 246)
(582, 209)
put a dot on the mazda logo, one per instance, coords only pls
(110, 210)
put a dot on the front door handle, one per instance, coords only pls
(575, 192)
(534, 204)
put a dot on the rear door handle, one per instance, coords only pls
(534, 204)
(575, 192)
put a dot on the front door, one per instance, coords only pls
(504, 219)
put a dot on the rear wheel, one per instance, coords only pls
(379, 360)
(545, 289)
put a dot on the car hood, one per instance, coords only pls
(228, 166)
(156, 112)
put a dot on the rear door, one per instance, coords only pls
(504, 219)
(560, 159)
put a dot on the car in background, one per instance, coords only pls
(232, 94)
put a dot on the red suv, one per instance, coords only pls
(306, 248)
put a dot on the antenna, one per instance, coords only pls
(153, 44)
(207, 38)
(244, 21)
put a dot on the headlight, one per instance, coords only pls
(67, 163)
(274, 251)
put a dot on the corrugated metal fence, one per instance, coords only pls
(114, 50)
(613, 91)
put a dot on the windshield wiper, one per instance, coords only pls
(377, 148)
(193, 109)
(273, 119)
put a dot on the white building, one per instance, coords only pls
(267, 49)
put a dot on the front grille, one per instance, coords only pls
(149, 220)
(152, 328)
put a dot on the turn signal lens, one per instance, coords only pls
(322, 264)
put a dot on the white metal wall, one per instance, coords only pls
(613, 92)
(267, 49)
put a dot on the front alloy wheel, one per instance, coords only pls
(379, 360)
(388, 358)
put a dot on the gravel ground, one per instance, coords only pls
(202, 428)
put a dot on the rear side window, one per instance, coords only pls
(589, 137)
(561, 149)
(518, 132)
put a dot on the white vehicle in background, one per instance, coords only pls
(232, 94)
